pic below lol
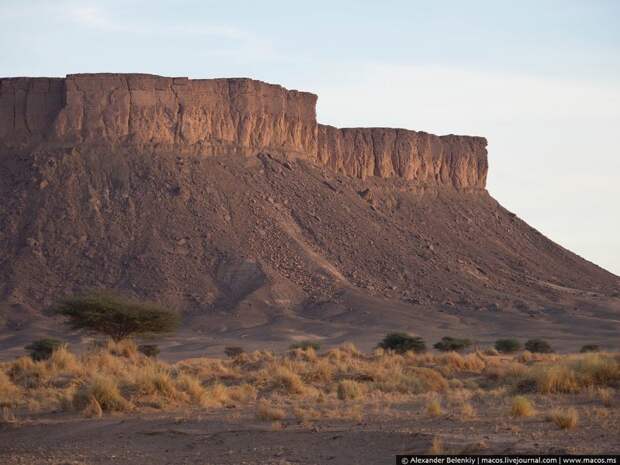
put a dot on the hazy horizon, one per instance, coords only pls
(539, 80)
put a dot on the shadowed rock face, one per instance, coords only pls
(225, 116)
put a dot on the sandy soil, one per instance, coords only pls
(234, 436)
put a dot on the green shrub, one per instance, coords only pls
(507, 346)
(43, 348)
(303, 345)
(150, 350)
(403, 342)
(538, 346)
(590, 348)
(114, 316)
(452, 344)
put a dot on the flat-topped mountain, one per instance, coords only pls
(228, 200)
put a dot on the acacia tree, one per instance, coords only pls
(402, 343)
(115, 316)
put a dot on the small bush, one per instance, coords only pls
(564, 418)
(507, 346)
(305, 345)
(452, 344)
(233, 351)
(522, 407)
(150, 350)
(539, 346)
(43, 348)
(590, 348)
(402, 343)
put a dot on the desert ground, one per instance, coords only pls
(111, 404)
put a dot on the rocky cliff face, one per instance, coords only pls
(211, 116)
(460, 161)
(224, 116)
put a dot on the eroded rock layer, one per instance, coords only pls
(203, 116)
(224, 116)
(460, 161)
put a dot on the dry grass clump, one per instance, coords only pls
(154, 379)
(604, 395)
(9, 393)
(349, 390)
(455, 362)
(217, 395)
(104, 391)
(436, 446)
(26, 373)
(93, 409)
(244, 393)
(413, 380)
(62, 360)
(433, 407)
(565, 419)
(320, 372)
(193, 388)
(573, 373)
(467, 411)
(284, 379)
(124, 348)
(522, 407)
(265, 411)
(507, 371)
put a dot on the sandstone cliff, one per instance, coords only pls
(204, 116)
(460, 161)
(224, 116)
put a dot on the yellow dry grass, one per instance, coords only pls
(265, 411)
(433, 408)
(116, 377)
(573, 373)
(436, 446)
(349, 390)
(522, 407)
(564, 418)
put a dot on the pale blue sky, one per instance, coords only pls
(540, 79)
